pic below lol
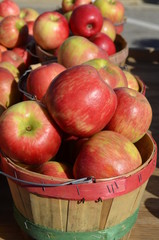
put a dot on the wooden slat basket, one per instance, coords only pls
(122, 51)
(86, 209)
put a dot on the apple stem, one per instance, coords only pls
(28, 128)
(89, 26)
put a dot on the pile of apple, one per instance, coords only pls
(87, 116)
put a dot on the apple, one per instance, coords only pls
(132, 81)
(2, 48)
(108, 28)
(77, 49)
(67, 15)
(55, 169)
(24, 54)
(79, 101)
(9, 93)
(105, 42)
(2, 108)
(69, 5)
(133, 114)
(112, 74)
(13, 32)
(50, 30)
(39, 79)
(12, 69)
(28, 133)
(119, 27)
(86, 20)
(30, 25)
(111, 9)
(28, 14)
(15, 59)
(107, 154)
(9, 7)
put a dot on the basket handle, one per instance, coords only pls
(43, 185)
(21, 85)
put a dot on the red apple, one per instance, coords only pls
(15, 59)
(12, 69)
(69, 5)
(50, 30)
(24, 54)
(79, 101)
(111, 9)
(2, 48)
(28, 134)
(133, 115)
(55, 169)
(13, 32)
(28, 14)
(30, 27)
(112, 74)
(105, 42)
(132, 81)
(9, 7)
(2, 108)
(106, 154)
(119, 27)
(9, 93)
(86, 20)
(40, 78)
(108, 28)
(77, 49)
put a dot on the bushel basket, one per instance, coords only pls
(83, 209)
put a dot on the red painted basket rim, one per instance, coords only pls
(100, 189)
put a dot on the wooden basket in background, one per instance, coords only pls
(122, 51)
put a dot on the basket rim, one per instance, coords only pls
(17, 167)
(83, 189)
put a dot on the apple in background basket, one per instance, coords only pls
(40, 78)
(28, 133)
(106, 154)
(79, 101)
(30, 27)
(55, 169)
(111, 9)
(132, 81)
(9, 7)
(108, 28)
(9, 93)
(28, 14)
(50, 30)
(133, 114)
(12, 69)
(2, 48)
(86, 20)
(111, 74)
(24, 54)
(77, 49)
(69, 5)
(14, 58)
(13, 32)
(67, 15)
(2, 108)
(105, 42)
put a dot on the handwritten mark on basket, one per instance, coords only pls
(111, 188)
